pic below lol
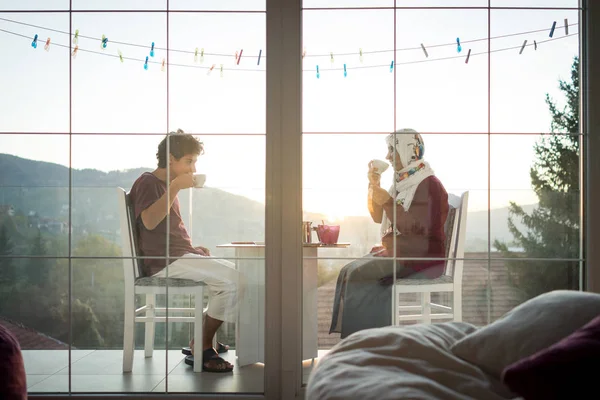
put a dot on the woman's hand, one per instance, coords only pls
(203, 249)
(380, 196)
(374, 177)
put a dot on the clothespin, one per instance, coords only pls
(74, 54)
(146, 64)
(202, 55)
(240, 57)
(34, 43)
(552, 29)
(236, 56)
(259, 54)
(360, 55)
(76, 37)
(304, 52)
(392, 66)
(221, 73)
(331, 54)
(162, 67)
(468, 56)
(196, 55)
(318, 73)
(424, 50)
(104, 42)
(458, 46)
(345, 73)
(120, 56)
(210, 69)
(47, 45)
(566, 27)
(523, 46)
(152, 50)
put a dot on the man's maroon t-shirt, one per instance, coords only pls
(146, 190)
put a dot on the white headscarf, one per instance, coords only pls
(410, 147)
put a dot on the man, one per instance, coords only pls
(151, 197)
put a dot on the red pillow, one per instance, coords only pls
(566, 370)
(13, 384)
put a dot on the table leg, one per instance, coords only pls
(250, 328)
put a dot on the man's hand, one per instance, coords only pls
(183, 181)
(203, 249)
(374, 177)
(380, 196)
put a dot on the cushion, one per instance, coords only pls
(13, 381)
(566, 370)
(528, 328)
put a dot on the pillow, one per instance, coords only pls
(528, 328)
(565, 370)
(13, 384)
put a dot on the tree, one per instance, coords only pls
(7, 272)
(552, 229)
(38, 269)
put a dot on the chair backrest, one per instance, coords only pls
(456, 228)
(131, 265)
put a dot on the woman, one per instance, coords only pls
(412, 216)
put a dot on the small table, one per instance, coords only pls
(250, 327)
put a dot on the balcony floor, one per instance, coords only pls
(101, 371)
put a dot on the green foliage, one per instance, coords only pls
(552, 229)
(7, 269)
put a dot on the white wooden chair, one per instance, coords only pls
(136, 283)
(449, 282)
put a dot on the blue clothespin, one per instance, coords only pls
(458, 46)
(259, 54)
(146, 64)
(345, 73)
(318, 73)
(34, 43)
(392, 66)
(552, 29)
(152, 50)
(104, 41)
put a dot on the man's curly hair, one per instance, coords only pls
(180, 144)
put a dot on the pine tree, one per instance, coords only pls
(38, 269)
(552, 229)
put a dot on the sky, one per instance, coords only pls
(345, 118)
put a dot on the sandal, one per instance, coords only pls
(221, 348)
(207, 356)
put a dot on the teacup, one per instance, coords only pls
(380, 166)
(199, 180)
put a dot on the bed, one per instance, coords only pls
(457, 360)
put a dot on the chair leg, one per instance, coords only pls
(149, 334)
(457, 306)
(199, 299)
(426, 307)
(128, 332)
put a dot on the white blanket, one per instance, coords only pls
(412, 362)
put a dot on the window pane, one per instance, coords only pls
(120, 5)
(37, 80)
(535, 3)
(34, 5)
(533, 74)
(110, 96)
(439, 91)
(39, 284)
(202, 100)
(333, 102)
(346, 3)
(34, 193)
(535, 186)
(236, 5)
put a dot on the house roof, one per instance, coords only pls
(30, 339)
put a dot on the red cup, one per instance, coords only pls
(328, 234)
